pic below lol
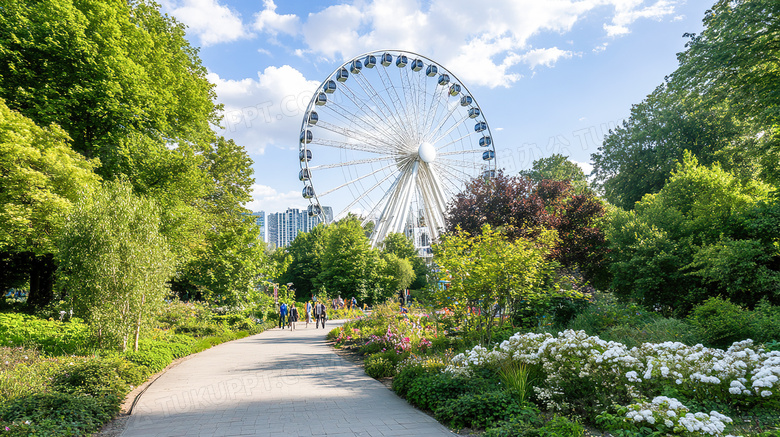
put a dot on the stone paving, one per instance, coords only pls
(277, 383)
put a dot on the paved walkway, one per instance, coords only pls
(277, 383)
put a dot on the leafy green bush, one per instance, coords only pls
(100, 376)
(719, 323)
(407, 375)
(379, 366)
(766, 328)
(560, 426)
(238, 322)
(24, 371)
(429, 391)
(606, 312)
(522, 424)
(156, 360)
(49, 336)
(57, 414)
(478, 410)
(657, 330)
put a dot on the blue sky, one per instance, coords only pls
(551, 76)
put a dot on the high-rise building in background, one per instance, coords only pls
(281, 228)
(260, 220)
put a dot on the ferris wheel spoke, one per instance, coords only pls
(451, 142)
(456, 172)
(456, 125)
(396, 209)
(393, 94)
(433, 110)
(385, 117)
(381, 104)
(443, 121)
(348, 146)
(365, 193)
(410, 109)
(461, 152)
(358, 179)
(357, 135)
(361, 123)
(354, 162)
(357, 101)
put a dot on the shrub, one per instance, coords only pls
(100, 376)
(238, 322)
(156, 360)
(657, 330)
(409, 372)
(606, 312)
(478, 410)
(429, 391)
(560, 426)
(719, 323)
(379, 366)
(49, 336)
(522, 424)
(57, 414)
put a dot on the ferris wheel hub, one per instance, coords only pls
(426, 152)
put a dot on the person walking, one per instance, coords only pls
(354, 303)
(320, 314)
(282, 314)
(293, 316)
(308, 313)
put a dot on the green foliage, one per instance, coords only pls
(51, 337)
(406, 376)
(57, 414)
(560, 426)
(677, 247)
(380, 365)
(431, 390)
(521, 424)
(558, 168)
(478, 410)
(514, 375)
(720, 323)
(100, 376)
(489, 271)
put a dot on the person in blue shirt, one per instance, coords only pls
(282, 314)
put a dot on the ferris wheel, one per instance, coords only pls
(397, 135)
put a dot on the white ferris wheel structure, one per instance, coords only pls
(396, 134)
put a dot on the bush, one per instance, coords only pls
(607, 312)
(49, 336)
(478, 410)
(522, 424)
(100, 376)
(57, 414)
(658, 330)
(379, 366)
(407, 375)
(238, 322)
(429, 391)
(560, 426)
(155, 360)
(719, 323)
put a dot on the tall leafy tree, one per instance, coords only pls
(349, 263)
(696, 238)
(522, 208)
(101, 68)
(557, 168)
(114, 263)
(41, 179)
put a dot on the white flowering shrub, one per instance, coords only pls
(670, 416)
(593, 373)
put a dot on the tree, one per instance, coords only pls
(399, 274)
(557, 168)
(697, 237)
(490, 272)
(101, 69)
(307, 251)
(402, 247)
(349, 263)
(522, 209)
(41, 179)
(720, 104)
(227, 271)
(735, 60)
(114, 263)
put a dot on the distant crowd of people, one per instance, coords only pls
(313, 312)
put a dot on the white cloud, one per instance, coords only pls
(546, 57)
(600, 48)
(482, 44)
(212, 22)
(586, 167)
(628, 11)
(265, 198)
(269, 21)
(264, 111)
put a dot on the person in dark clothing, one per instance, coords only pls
(293, 316)
(320, 314)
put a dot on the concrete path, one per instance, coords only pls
(277, 383)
